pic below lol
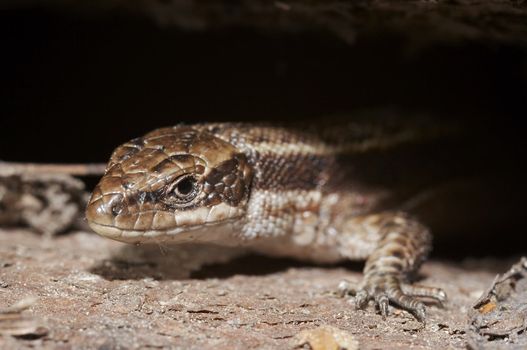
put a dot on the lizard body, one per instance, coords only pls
(310, 193)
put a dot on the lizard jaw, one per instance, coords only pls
(217, 232)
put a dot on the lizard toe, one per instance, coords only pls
(437, 294)
(361, 298)
(382, 301)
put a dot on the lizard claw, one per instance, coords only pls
(382, 302)
(388, 289)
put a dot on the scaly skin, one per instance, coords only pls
(325, 195)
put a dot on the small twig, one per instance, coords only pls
(13, 320)
(20, 305)
(87, 169)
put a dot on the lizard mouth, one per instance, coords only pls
(182, 234)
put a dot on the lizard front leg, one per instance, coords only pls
(402, 245)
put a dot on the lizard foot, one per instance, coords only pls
(386, 289)
(403, 245)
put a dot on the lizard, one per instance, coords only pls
(326, 194)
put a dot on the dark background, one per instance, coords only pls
(73, 86)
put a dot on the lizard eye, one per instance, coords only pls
(184, 189)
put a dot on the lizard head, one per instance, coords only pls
(173, 184)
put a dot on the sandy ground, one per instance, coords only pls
(95, 293)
